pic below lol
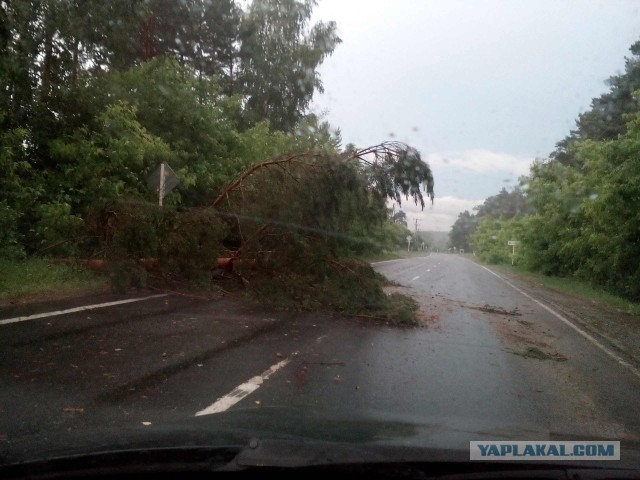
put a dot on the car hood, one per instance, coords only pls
(283, 436)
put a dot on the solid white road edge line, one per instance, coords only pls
(230, 399)
(397, 260)
(78, 309)
(595, 342)
(387, 261)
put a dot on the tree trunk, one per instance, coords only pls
(47, 64)
(148, 38)
(74, 72)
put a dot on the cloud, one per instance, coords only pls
(482, 161)
(437, 217)
(470, 171)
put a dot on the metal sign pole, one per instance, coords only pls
(162, 181)
(161, 189)
(513, 243)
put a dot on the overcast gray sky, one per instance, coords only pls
(481, 88)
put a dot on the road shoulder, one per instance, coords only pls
(615, 328)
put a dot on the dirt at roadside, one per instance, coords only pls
(620, 330)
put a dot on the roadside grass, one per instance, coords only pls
(35, 279)
(568, 285)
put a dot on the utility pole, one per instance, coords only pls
(420, 246)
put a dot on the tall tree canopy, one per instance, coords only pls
(606, 118)
(94, 95)
(462, 229)
(503, 206)
(279, 56)
(582, 203)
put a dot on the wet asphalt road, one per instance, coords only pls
(486, 360)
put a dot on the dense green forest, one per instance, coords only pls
(577, 213)
(95, 95)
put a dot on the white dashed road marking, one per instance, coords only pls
(240, 392)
